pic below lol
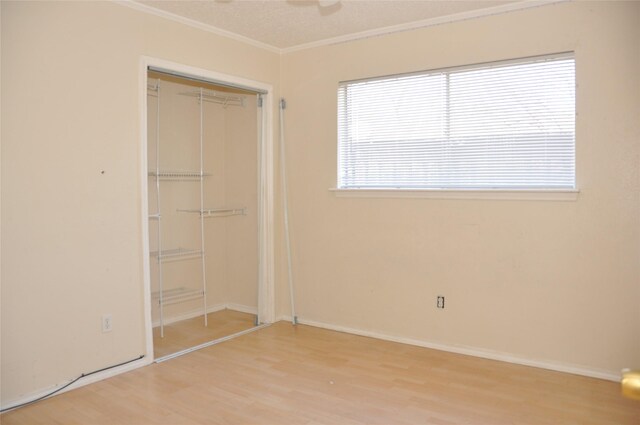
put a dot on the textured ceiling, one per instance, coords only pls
(287, 23)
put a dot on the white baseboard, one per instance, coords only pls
(211, 309)
(80, 383)
(241, 308)
(469, 351)
(124, 368)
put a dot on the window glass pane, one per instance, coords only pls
(498, 126)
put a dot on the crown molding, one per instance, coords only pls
(196, 24)
(463, 16)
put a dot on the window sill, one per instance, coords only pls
(490, 194)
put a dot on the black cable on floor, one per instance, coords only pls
(75, 380)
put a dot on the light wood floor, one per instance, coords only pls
(304, 375)
(189, 333)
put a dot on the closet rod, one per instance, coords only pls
(206, 80)
(211, 212)
(214, 97)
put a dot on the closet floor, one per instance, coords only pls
(189, 333)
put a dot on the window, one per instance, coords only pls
(503, 125)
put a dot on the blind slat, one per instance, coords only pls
(504, 125)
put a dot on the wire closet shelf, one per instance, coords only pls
(165, 296)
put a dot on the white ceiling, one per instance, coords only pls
(289, 24)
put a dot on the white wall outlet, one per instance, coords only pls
(107, 323)
(440, 301)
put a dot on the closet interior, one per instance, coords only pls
(202, 153)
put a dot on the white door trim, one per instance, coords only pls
(266, 287)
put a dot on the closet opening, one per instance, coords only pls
(208, 197)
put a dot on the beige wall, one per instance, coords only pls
(71, 236)
(549, 281)
(241, 185)
(557, 282)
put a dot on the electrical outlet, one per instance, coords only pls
(440, 301)
(107, 323)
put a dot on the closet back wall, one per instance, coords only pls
(71, 179)
(229, 140)
(241, 190)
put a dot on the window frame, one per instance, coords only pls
(506, 193)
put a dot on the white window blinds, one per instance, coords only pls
(504, 125)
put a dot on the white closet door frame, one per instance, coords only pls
(266, 301)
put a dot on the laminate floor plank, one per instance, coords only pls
(189, 333)
(284, 375)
